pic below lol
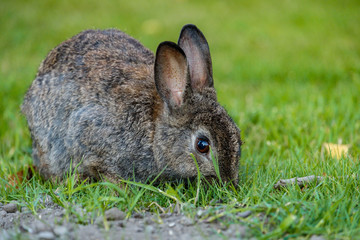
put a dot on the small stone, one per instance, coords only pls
(99, 220)
(2, 213)
(244, 214)
(149, 229)
(39, 226)
(186, 221)
(138, 215)
(172, 224)
(148, 221)
(114, 214)
(121, 224)
(24, 228)
(46, 235)
(200, 213)
(60, 230)
(60, 213)
(23, 209)
(10, 208)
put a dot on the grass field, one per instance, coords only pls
(288, 73)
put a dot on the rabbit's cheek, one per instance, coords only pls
(206, 165)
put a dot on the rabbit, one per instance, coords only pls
(103, 103)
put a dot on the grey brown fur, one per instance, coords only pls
(103, 100)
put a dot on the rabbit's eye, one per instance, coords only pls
(202, 145)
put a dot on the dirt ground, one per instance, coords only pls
(53, 222)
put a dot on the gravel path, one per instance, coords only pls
(53, 222)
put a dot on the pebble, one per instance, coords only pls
(60, 230)
(244, 214)
(2, 213)
(172, 224)
(60, 213)
(46, 235)
(24, 228)
(149, 229)
(138, 215)
(117, 224)
(38, 226)
(186, 221)
(114, 214)
(148, 221)
(10, 208)
(99, 220)
(120, 224)
(200, 213)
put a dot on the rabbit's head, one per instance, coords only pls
(191, 121)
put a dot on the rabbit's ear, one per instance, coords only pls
(171, 73)
(197, 52)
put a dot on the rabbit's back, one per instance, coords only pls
(93, 97)
(109, 55)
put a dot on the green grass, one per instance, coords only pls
(288, 72)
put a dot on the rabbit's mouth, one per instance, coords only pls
(212, 178)
(207, 180)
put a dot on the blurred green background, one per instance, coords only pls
(287, 71)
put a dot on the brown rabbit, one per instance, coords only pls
(103, 102)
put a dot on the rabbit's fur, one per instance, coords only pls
(103, 102)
